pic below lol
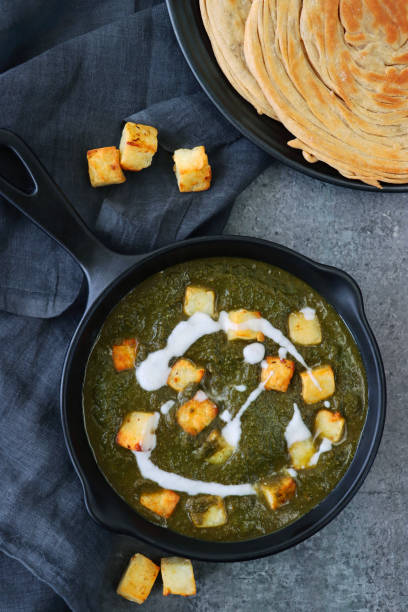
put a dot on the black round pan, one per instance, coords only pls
(268, 134)
(110, 277)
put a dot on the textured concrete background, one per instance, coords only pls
(360, 561)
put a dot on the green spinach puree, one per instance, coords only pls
(149, 313)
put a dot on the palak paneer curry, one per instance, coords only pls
(224, 398)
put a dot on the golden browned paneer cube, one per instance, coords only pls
(239, 317)
(178, 576)
(198, 299)
(137, 146)
(183, 373)
(124, 355)
(279, 491)
(161, 502)
(278, 373)
(192, 169)
(304, 331)
(301, 453)
(208, 511)
(329, 425)
(104, 167)
(223, 450)
(317, 385)
(137, 432)
(138, 580)
(196, 414)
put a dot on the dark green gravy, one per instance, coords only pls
(149, 313)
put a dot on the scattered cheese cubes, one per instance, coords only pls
(198, 299)
(223, 449)
(183, 373)
(161, 502)
(192, 169)
(208, 511)
(178, 576)
(239, 317)
(137, 146)
(318, 385)
(124, 355)
(278, 492)
(277, 374)
(301, 453)
(137, 432)
(196, 414)
(329, 425)
(104, 167)
(304, 330)
(138, 579)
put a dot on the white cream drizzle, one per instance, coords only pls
(240, 388)
(283, 353)
(325, 446)
(308, 313)
(164, 408)
(254, 353)
(291, 472)
(232, 431)
(326, 404)
(226, 416)
(153, 372)
(296, 431)
(169, 480)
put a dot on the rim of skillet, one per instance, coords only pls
(106, 506)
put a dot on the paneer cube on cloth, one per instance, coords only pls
(137, 146)
(192, 169)
(104, 167)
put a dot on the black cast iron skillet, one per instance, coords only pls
(110, 277)
(268, 134)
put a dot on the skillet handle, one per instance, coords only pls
(50, 210)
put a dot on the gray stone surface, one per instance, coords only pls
(360, 561)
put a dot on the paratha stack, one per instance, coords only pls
(336, 74)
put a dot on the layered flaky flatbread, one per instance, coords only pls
(224, 21)
(336, 74)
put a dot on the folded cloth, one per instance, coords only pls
(71, 75)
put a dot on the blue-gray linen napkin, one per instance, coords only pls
(70, 73)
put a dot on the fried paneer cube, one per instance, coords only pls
(277, 374)
(198, 299)
(279, 491)
(192, 169)
(302, 330)
(137, 146)
(138, 579)
(161, 502)
(178, 576)
(183, 373)
(137, 432)
(301, 453)
(318, 385)
(196, 414)
(124, 355)
(329, 425)
(104, 167)
(207, 511)
(239, 317)
(223, 450)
